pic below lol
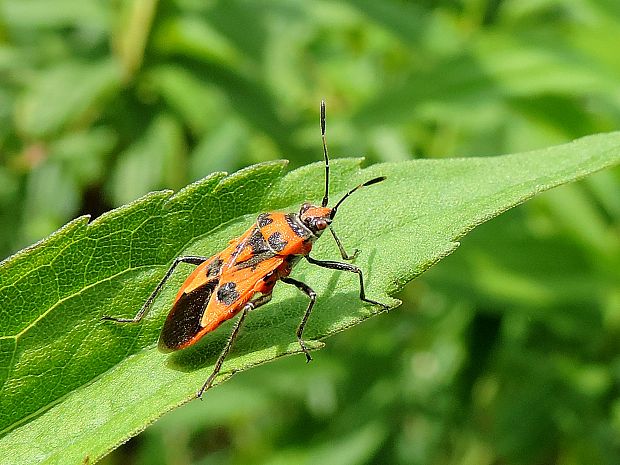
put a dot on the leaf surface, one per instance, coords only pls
(99, 383)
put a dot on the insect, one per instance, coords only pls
(241, 277)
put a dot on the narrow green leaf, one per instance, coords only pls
(99, 383)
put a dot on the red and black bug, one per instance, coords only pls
(241, 277)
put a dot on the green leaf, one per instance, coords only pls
(149, 162)
(67, 94)
(99, 383)
(41, 14)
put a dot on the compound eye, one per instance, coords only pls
(320, 224)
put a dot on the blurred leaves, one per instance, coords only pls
(405, 79)
(149, 161)
(65, 95)
(83, 85)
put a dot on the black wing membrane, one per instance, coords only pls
(183, 323)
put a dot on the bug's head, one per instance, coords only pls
(316, 219)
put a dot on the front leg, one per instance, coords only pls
(347, 267)
(343, 253)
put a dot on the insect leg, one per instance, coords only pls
(346, 267)
(191, 259)
(343, 253)
(303, 287)
(262, 300)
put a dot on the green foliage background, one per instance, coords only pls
(506, 352)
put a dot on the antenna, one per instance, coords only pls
(367, 183)
(326, 196)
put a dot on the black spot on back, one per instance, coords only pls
(253, 261)
(214, 268)
(263, 220)
(227, 293)
(183, 322)
(276, 242)
(258, 243)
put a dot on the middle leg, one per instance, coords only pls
(262, 300)
(303, 287)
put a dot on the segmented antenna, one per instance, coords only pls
(326, 196)
(367, 183)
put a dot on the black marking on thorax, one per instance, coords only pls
(293, 221)
(227, 293)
